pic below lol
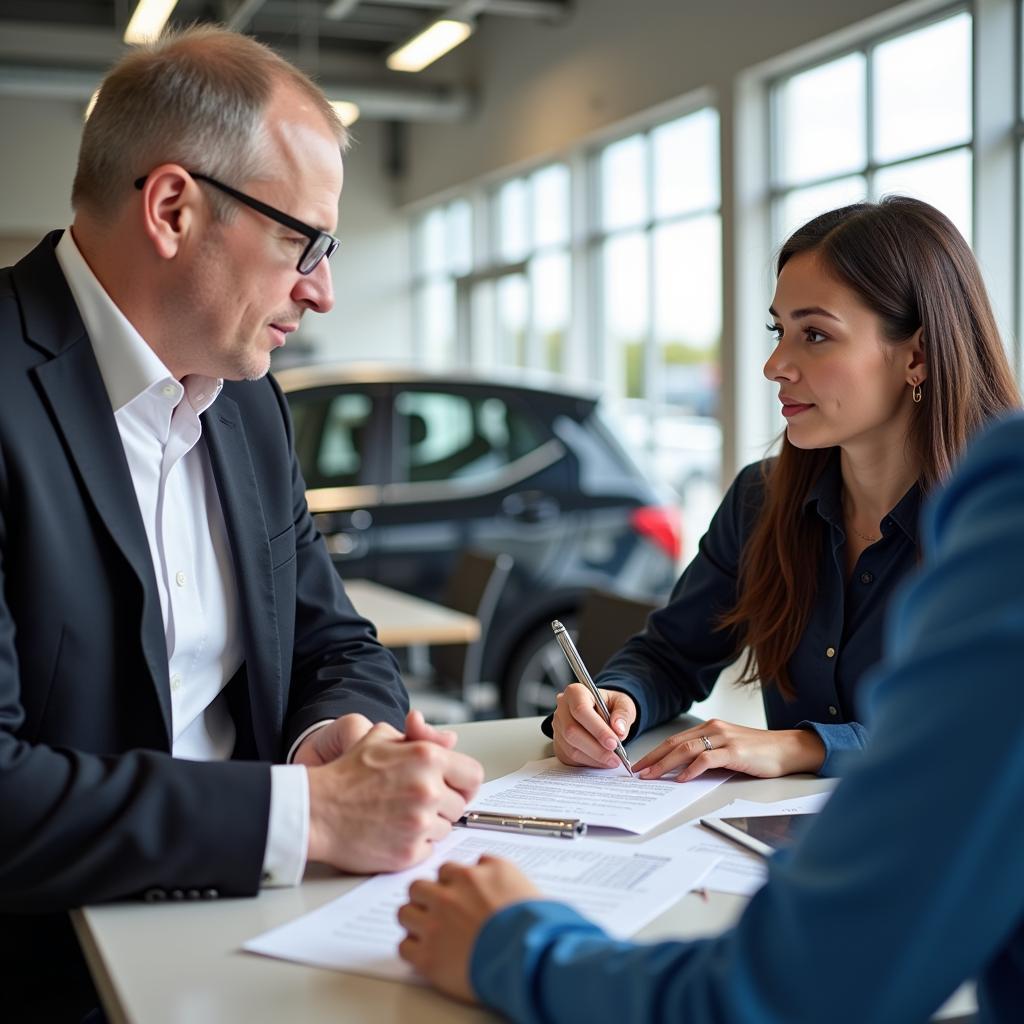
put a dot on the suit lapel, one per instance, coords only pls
(74, 388)
(250, 549)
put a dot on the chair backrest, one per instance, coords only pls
(474, 587)
(606, 622)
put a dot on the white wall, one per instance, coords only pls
(40, 150)
(371, 318)
(543, 88)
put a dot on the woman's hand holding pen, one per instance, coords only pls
(581, 735)
(765, 753)
(443, 919)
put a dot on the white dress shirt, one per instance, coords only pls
(158, 420)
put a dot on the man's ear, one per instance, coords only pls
(917, 364)
(170, 199)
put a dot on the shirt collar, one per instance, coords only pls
(128, 365)
(827, 493)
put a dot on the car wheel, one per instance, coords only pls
(537, 672)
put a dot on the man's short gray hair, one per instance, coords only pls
(194, 98)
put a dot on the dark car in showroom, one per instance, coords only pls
(407, 469)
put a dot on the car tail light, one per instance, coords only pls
(660, 524)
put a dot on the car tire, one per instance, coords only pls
(537, 671)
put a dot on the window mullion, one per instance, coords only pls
(869, 121)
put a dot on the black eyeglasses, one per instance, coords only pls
(321, 244)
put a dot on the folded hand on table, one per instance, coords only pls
(443, 919)
(382, 804)
(765, 753)
(330, 741)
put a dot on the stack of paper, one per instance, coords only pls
(604, 797)
(621, 887)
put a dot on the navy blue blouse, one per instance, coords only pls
(677, 659)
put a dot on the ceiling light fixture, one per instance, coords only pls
(348, 113)
(433, 42)
(148, 20)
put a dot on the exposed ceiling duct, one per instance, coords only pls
(62, 48)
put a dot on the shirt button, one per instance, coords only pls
(833, 710)
(175, 683)
(169, 390)
(180, 579)
(830, 652)
(866, 577)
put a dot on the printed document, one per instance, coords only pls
(606, 797)
(738, 871)
(621, 886)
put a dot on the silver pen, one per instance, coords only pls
(562, 828)
(579, 670)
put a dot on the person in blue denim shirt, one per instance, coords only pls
(887, 360)
(906, 884)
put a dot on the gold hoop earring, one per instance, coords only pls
(917, 393)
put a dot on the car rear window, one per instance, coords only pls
(444, 436)
(330, 435)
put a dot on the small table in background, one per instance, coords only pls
(406, 621)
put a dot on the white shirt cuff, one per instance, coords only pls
(284, 860)
(302, 735)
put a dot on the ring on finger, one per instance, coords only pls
(707, 743)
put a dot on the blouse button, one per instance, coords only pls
(833, 710)
(830, 652)
(866, 577)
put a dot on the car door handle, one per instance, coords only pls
(530, 507)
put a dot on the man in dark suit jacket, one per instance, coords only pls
(172, 631)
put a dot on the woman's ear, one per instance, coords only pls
(917, 365)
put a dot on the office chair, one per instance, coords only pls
(606, 622)
(599, 625)
(474, 587)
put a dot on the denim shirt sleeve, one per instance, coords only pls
(896, 894)
(679, 656)
(840, 740)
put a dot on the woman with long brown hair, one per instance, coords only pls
(887, 360)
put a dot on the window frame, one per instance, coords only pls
(866, 46)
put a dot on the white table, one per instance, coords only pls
(181, 964)
(403, 620)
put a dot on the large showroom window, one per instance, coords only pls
(891, 116)
(521, 307)
(626, 240)
(659, 264)
(442, 250)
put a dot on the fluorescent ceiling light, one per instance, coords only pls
(347, 112)
(433, 42)
(148, 21)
